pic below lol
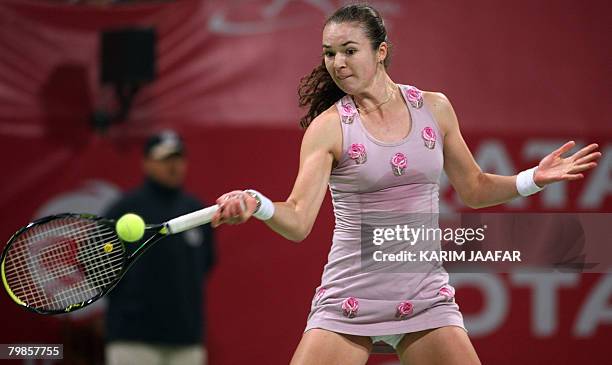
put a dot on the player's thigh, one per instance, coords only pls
(448, 345)
(319, 346)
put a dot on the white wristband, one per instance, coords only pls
(265, 209)
(525, 184)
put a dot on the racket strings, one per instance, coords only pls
(30, 292)
(62, 262)
(73, 284)
(55, 254)
(67, 224)
(100, 273)
(60, 250)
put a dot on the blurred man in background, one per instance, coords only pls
(155, 314)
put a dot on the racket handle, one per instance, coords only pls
(191, 220)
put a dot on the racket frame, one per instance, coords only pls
(128, 260)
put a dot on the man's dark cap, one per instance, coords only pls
(163, 145)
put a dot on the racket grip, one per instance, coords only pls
(191, 220)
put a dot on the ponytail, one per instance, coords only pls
(318, 91)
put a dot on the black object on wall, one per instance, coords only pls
(128, 56)
(127, 61)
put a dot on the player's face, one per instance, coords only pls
(169, 172)
(349, 57)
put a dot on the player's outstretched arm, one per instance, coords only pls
(294, 218)
(478, 189)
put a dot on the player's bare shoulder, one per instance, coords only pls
(325, 131)
(435, 99)
(441, 108)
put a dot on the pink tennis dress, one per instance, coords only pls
(377, 176)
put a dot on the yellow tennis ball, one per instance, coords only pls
(130, 227)
(108, 247)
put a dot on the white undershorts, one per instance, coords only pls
(392, 340)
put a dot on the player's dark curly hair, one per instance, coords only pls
(318, 91)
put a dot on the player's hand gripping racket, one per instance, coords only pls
(65, 262)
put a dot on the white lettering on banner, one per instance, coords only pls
(269, 19)
(544, 298)
(492, 156)
(600, 182)
(555, 195)
(596, 309)
(495, 299)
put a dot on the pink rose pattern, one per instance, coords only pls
(448, 292)
(350, 306)
(319, 294)
(347, 112)
(358, 153)
(415, 97)
(398, 164)
(429, 137)
(404, 310)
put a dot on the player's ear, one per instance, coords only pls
(382, 52)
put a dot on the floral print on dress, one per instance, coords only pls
(414, 96)
(358, 153)
(448, 292)
(319, 294)
(404, 310)
(429, 137)
(347, 113)
(350, 306)
(398, 164)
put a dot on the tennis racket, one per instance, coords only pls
(61, 263)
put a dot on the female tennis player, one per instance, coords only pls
(380, 145)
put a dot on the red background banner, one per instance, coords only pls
(523, 77)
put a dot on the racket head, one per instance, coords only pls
(63, 262)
